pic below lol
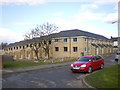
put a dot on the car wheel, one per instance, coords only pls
(90, 69)
(116, 60)
(102, 66)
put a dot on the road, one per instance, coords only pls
(58, 77)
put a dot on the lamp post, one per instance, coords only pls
(119, 29)
(118, 25)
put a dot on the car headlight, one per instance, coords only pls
(71, 65)
(84, 65)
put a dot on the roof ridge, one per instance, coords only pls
(83, 31)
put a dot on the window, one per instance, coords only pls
(65, 49)
(27, 45)
(45, 42)
(74, 39)
(21, 55)
(88, 49)
(85, 49)
(23, 47)
(94, 41)
(102, 51)
(85, 59)
(65, 39)
(85, 39)
(27, 53)
(98, 58)
(89, 40)
(56, 40)
(49, 42)
(94, 58)
(97, 50)
(56, 48)
(75, 49)
(31, 45)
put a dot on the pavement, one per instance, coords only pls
(25, 69)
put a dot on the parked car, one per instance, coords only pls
(117, 56)
(87, 63)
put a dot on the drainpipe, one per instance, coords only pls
(70, 47)
(87, 45)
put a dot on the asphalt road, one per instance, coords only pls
(58, 77)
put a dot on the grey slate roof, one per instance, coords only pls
(22, 43)
(77, 32)
(67, 33)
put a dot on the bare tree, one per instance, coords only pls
(40, 37)
(47, 29)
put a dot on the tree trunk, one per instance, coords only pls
(36, 53)
(48, 54)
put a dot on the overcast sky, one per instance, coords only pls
(20, 16)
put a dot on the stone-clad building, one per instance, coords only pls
(70, 43)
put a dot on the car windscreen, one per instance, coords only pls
(86, 59)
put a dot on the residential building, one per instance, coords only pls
(65, 44)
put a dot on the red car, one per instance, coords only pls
(87, 63)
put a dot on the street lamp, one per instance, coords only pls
(119, 26)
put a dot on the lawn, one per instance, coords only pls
(106, 78)
(16, 64)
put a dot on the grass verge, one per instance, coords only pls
(16, 64)
(106, 78)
